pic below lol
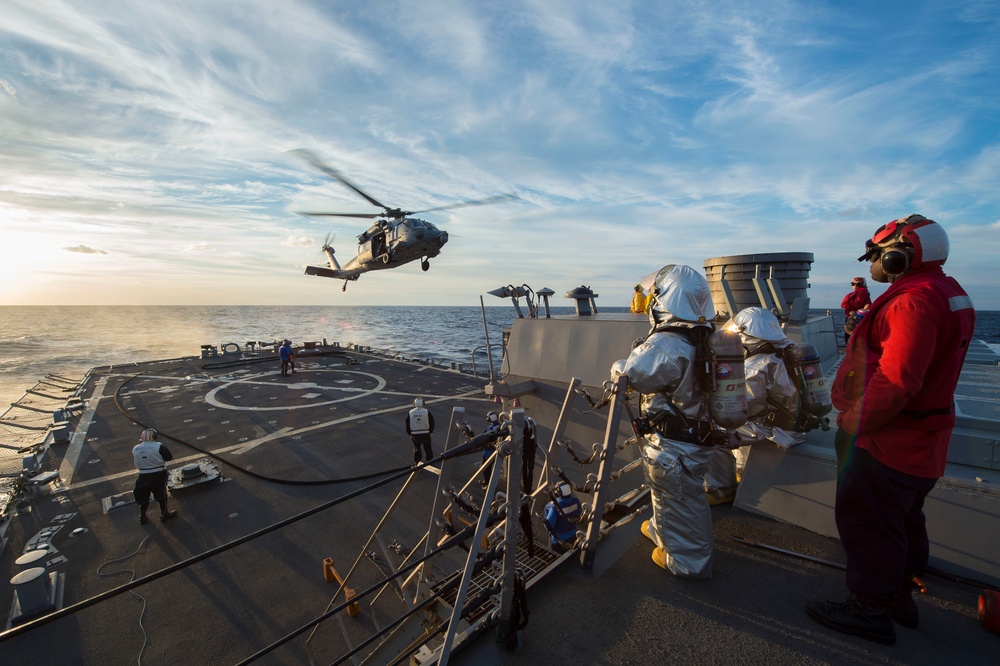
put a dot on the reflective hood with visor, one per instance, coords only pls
(679, 296)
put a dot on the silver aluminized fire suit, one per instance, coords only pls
(662, 369)
(766, 376)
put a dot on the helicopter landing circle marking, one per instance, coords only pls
(380, 383)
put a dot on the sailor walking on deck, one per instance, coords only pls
(151, 460)
(895, 391)
(663, 370)
(419, 426)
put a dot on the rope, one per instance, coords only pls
(142, 613)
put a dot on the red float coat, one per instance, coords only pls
(895, 388)
(856, 300)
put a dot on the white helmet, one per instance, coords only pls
(563, 489)
(418, 402)
(909, 242)
(680, 294)
(759, 323)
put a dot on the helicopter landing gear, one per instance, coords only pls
(385, 258)
(344, 288)
(425, 265)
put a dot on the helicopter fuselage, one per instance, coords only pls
(386, 244)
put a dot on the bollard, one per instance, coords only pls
(33, 592)
(30, 560)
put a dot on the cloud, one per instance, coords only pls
(298, 241)
(83, 249)
(203, 246)
(637, 134)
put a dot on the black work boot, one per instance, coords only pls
(142, 518)
(867, 617)
(902, 607)
(167, 515)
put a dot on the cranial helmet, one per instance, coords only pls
(759, 323)
(493, 417)
(680, 294)
(909, 242)
(563, 489)
(418, 402)
(859, 282)
(148, 435)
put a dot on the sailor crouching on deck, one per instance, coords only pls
(561, 516)
(895, 391)
(151, 460)
(662, 369)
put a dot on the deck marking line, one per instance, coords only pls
(242, 446)
(72, 456)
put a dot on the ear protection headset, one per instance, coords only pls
(895, 260)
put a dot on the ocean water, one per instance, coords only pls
(70, 340)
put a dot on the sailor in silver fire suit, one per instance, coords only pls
(662, 369)
(770, 388)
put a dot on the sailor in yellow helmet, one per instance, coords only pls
(639, 300)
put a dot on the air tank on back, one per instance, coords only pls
(729, 386)
(808, 373)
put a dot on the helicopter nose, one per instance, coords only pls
(444, 237)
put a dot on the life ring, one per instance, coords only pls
(226, 348)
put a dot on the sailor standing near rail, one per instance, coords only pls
(895, 391)
(151, 460)
(419, 426)
(772, 395)
(678, 444)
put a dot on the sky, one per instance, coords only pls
(145, 146)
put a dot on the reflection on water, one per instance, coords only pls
(35, 341)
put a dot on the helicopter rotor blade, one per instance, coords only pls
(312, 159)
(367, 216)
(478, 202)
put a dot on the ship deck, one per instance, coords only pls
(283, 445)
(288, 450)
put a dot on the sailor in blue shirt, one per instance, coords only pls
(561, 516)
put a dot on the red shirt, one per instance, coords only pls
(896, 386)
(856, 300)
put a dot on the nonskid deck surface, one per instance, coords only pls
(335, 419)
(283, 445)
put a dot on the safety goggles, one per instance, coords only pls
(882, 234)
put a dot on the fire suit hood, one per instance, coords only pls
(680, 295)
(758, 324)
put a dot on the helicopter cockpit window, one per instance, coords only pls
(415, 224)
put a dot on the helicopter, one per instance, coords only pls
(394, 239)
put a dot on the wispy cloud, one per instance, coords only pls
(637, 134)
(84, 249)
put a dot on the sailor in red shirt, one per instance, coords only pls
(856, 300)
(895, 393)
